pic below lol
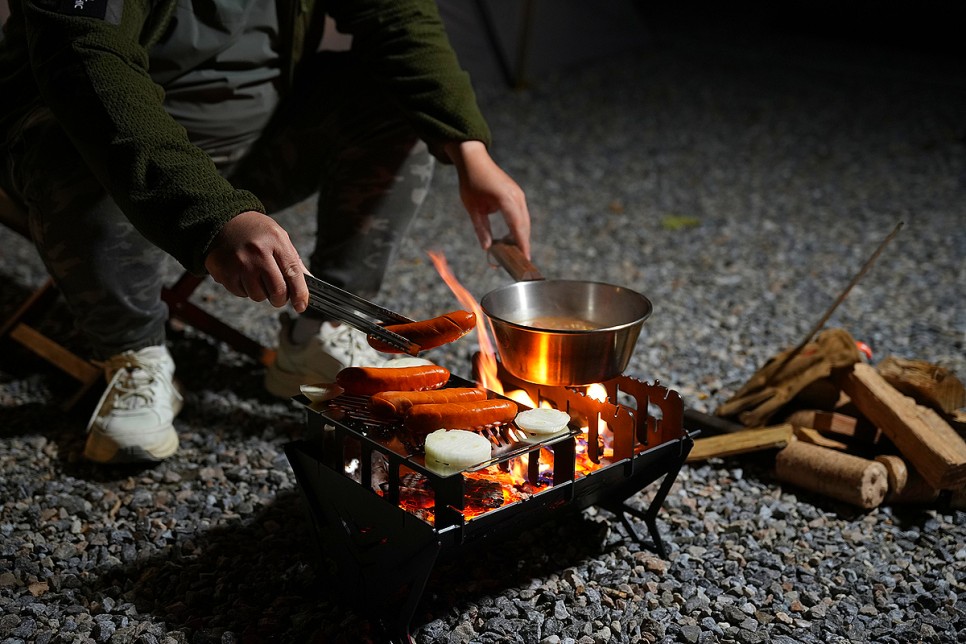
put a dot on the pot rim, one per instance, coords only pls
(648, 307)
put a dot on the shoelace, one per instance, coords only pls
(131, 383)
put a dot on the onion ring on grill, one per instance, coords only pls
(452, 450)
(542, 422)
(322, 391)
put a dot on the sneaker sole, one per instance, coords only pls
(102, 449)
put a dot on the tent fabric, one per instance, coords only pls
(518, 41)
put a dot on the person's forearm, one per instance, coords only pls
(93, 76)
(464, 155)
(485, 189)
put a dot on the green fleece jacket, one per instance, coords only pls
(87, 60)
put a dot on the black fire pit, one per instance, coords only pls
(383, 519)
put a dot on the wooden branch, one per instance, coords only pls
(906, 485)
(957, 420)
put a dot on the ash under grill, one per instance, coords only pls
(383, 518)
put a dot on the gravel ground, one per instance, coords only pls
(739, 181)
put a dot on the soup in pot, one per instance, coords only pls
(560, 323)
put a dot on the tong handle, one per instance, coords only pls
(512, 259)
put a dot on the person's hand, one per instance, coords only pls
(485, 188)
(253, 257)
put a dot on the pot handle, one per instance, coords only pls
(511, 258)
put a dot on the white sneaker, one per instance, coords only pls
(318, 360)
(134, 419)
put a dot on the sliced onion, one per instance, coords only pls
(452, 450)
(322, 391)
(542, 422)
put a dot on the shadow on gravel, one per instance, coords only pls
(65, 429)
(513, 561)
(256, 580)
(250, 581)
(31, 418)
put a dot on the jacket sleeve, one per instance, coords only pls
(404, 47)
(92, 73)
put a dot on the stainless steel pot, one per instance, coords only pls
(562, 332)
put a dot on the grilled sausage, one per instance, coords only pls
(431, 333)
(423, 419)
(366, 381)
(397, 403)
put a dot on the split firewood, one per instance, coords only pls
(835, 423)
(926, 383)
(740, 442)
(813, 436)
(851, 479)
(785, 375)
(906, 485)
(921, 435)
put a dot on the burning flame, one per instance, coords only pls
(597, 391)
(487, 364)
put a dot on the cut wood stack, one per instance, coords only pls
(918, 432)
(892, 434)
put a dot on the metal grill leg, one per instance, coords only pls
(649, 516)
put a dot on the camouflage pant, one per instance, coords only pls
(338, 139)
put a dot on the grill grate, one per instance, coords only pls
(389, 435)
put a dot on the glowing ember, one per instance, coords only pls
(482, 488)
(483, 491)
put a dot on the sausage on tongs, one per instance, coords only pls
(429, 334)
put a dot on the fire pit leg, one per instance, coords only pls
(649, 516)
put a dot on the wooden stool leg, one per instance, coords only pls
(38, 301)
(16, 328)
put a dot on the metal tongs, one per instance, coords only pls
(358, 313)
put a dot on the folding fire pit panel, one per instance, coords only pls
(375, 556)
(383, 518)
